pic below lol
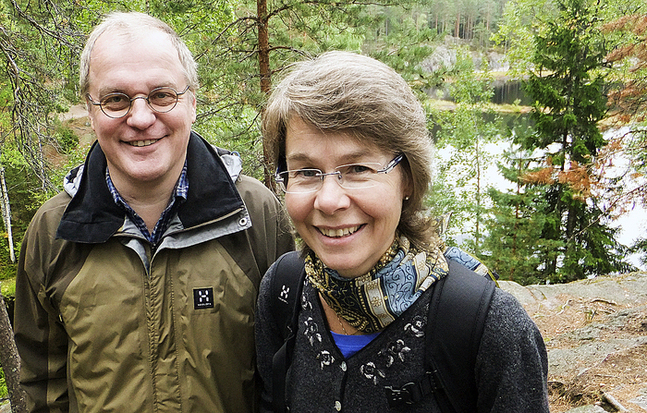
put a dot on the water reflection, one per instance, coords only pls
(505, 92)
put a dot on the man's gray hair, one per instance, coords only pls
(133, 24)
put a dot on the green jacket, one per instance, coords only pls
(105, 324)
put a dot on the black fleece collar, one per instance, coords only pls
(93, 217)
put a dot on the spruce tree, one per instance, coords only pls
(569, 102)
(511, 246)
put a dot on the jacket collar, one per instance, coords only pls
(93, 217)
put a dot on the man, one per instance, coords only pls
(136, 285)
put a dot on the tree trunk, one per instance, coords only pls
(264, 47)
(6, 213)
(265, 74)
(10, 361)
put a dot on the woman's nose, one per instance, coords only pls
(331, 196)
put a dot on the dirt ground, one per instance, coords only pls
(606, 343)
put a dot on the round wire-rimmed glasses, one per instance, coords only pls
(117, 104)
(351, 176)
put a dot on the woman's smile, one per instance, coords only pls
(339, 232)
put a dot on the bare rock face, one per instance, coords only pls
(596, 335)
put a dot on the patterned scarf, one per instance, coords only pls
(372, 301)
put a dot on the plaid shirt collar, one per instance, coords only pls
(180, 195)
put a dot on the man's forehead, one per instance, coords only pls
(126, 36)
(116, 59)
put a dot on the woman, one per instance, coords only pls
(351, 148)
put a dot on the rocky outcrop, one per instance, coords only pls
(596, 335)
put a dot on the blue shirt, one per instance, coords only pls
(180, 195)
(349, 345)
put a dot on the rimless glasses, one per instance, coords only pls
(351, 176)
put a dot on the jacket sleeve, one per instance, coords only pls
(271, 235)
(40, 337)
(512, 363)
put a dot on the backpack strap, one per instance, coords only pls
(455, 326)
(286, 288)
(457, 311)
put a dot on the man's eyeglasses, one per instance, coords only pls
(117, 105)
(352, 176)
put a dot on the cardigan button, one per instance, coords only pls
(338, 406)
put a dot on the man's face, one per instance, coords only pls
(144, 146)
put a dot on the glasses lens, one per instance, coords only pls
(282, 179)
(163, 99)
(300, 180)
(358, 176)
(115, 104)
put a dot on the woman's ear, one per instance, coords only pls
(407, 183)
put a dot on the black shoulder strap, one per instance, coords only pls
(286, 288)
(457, 313)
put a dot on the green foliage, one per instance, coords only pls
(640, 247)
(403, 39)
(522, 20)
(7, 268)
(23, 187)
(66, 139)
(3, 385)
(8, 288)
(515, 222)
(463, 133)
(242, 137)
(566, 87)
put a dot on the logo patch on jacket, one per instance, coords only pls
(202, 298)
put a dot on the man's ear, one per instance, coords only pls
(194, 104)
(91, 114)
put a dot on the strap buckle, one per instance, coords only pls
(407, 394)
(410, 393)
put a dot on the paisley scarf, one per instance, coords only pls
(372, 301)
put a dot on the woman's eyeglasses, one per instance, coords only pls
(352, 176)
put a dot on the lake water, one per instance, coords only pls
(632, 224)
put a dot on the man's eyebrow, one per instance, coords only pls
(106, 90)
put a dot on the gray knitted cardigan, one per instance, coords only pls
(511, 367)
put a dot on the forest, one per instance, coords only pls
(570, 149)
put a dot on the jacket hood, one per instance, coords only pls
(92, 215)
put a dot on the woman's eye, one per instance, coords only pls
(359, 169)
(308, 173)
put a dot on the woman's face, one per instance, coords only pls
(349, 230)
